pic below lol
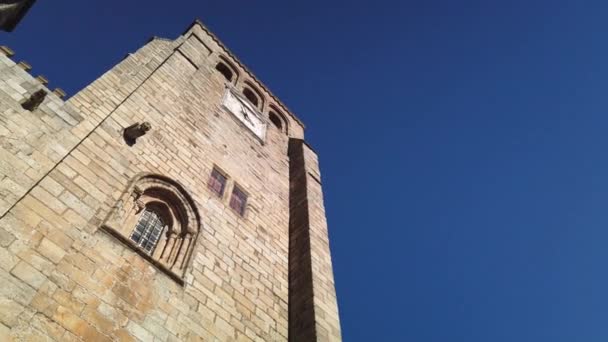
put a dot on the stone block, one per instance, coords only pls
(139, 332)
(7, 259)
(50, 250)
(28, 274)
(10, 311)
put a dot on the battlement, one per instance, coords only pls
(9, 53)
(33, 130)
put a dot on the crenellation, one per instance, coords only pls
(42, 79)
(59, 92)
(25, 66)
(7, 51)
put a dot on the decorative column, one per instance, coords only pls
(183, 250)
(168, 250)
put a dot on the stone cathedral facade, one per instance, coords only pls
(173, 199)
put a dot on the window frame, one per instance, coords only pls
(224, 69)
(256, 92)
(235, 73)
(247, 91)
(237, 188)
(281, 117)
(147, 240)
(222, 174)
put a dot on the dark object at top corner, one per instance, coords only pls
(12, 11)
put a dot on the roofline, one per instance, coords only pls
(251, 75)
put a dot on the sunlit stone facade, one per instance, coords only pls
(112, 227)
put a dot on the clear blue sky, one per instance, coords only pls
(463, 146)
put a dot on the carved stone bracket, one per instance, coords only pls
(135, 131)
(34, 101)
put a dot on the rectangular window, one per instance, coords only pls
(238, 201)
(217, 182)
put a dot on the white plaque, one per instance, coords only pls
(245, 112)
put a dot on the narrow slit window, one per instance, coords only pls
(238, 201)
(217, 182)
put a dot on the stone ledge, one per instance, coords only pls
(117, 235)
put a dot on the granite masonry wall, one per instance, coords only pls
(65, 165)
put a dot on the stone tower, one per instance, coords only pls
(173, 199)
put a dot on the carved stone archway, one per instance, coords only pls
(169, 201)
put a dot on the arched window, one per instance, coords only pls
(278, 119)
(227, 69)
(251, 96)
(158, 219)
(224, 70)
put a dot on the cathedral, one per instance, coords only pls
(175, 198)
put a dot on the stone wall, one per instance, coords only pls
(313, 308)
(65, 165)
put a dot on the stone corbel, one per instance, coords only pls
(34, 101)
(135, 131)
(139, 206)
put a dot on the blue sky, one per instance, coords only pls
(463, 146)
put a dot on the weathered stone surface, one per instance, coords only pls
(7, 259)
(47, 327)
(77, 325)
(6, 238)
(65, 167)
(5, 333)
(28, 274)
(9, 311)
(139, 332)
(51, 251)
